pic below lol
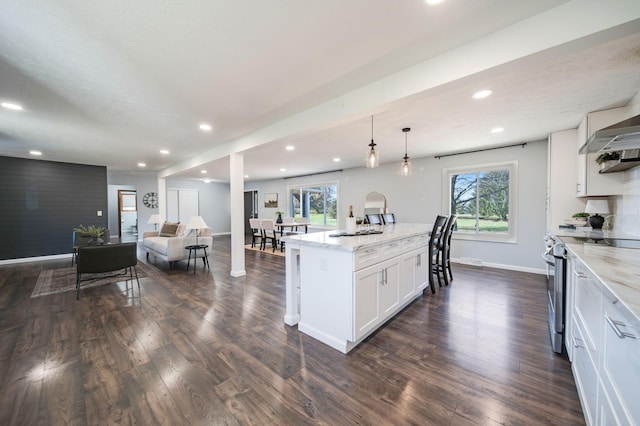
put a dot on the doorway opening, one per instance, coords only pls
(250, 210)
(127, 215)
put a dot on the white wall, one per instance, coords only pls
(419, 198)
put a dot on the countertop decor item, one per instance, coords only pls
(597, 207)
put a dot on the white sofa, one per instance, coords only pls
(172, 248)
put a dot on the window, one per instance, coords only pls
(483, 198)
(318, 203)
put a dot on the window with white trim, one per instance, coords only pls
(483, 198)
(318, 203)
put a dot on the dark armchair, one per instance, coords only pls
(106, 258)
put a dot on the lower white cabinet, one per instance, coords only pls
(366, 305)
(414, 267)
(389, 286)
(376, 295)
(605, 350)
(620, 372)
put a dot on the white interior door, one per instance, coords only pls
(172, 205)
(187, 204)
(182, 204)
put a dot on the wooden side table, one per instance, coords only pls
(193, 249)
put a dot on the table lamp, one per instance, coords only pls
(596, 207)
(155, 219)
(196, 222)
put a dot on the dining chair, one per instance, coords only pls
(388, 218)
(374, 219)
(443, 253)
(256, 232)
(269, 233)
(436, 233)
(447, 247)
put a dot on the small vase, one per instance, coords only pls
(279, 219)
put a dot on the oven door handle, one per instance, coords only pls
(547, 260)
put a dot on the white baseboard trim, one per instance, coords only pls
(475, 262)
(35, 259)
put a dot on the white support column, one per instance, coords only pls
(236, 188)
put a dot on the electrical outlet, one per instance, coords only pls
(99, 212)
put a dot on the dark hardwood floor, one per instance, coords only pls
(212, 349)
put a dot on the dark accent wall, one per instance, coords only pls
(42, 201)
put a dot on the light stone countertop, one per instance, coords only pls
(617, 268)
(353, 243)
(563, 232)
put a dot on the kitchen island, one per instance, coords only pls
(602, 330)
(340, 289)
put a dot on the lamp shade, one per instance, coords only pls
(155, 218)
(597, 207)
(196, 222)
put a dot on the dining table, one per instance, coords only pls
(291, 226)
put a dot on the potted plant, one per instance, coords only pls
(581, 216)
(95, 232)
(606, 157)
(279, 219)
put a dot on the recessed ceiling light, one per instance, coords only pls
(497, 130)
(433, 2)
(35, 152)
(283, 169)
(246, 176)
(336, 160)
(164, 151)
(482, 94)
(206, 180)
(205, 127)
(290, 147)
(142, 165)
(11, 105)
(203, 171)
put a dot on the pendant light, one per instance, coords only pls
(373, 159)
(405, 167)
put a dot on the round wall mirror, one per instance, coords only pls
(375, 203)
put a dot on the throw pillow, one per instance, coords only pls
(182, 230)
(169, 229)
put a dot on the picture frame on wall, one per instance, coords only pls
(271, 200)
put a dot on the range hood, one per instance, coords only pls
(617, 137)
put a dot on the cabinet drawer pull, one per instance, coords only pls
(576, 344)
(579, 274)
(614, 324)
(419, 260)
(370, 251)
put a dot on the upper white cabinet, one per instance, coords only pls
(561, 173)
(590, 181)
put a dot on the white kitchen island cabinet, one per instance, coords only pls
(341, 289)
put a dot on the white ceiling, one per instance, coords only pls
(112, 83)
